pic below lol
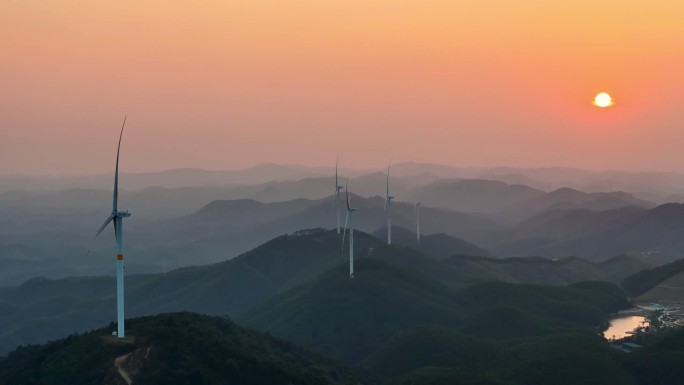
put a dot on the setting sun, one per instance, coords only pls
(603, 100)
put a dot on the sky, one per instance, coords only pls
(229, 84)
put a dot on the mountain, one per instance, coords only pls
(406, 316)
(655, 184)
(535, 270)
(571, 358)
(571, 199)
(53, 229)
(593, 235)
(438, 246)
(542, 271)
(350, 319)
(186, 348)
(506, 341)
(217, 231)
(182, 177)
(622, 266)
(669, 291)
(651, 183)
(230, 216)
(222, 230)
(500, 334)
(648, 280)
(476, 196)
(43, 309)
(179, 348)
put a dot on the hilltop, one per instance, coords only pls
(180, 348)
(437, 245)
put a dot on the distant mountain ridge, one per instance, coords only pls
(59, 238)
(571, 199)
(661, 184)
(596, 234)
(439, 245)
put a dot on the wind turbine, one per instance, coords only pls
(117, 217)
(337, 195)
(388, 208)
(349, 222)
(418, 204)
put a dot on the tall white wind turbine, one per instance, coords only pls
(418, 204)
(388, 208)
(117, 217)
(337, 195)
(349, 223)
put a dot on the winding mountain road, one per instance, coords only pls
(122, 372)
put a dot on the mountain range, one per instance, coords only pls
(653, 186)
(42, 309)
(407, 317)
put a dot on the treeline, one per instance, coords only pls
(179, 348)
(643, 281)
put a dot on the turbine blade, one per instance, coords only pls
(388, 171)
(347, 190)
(116, 172)
(336, 162)
(116, 232)
(104, 226)
(344, 233)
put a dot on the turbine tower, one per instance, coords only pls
(336, 197)
(418, 204)
(349, 222)
(117, 217)
(388, 208)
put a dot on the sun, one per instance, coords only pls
(603, 100)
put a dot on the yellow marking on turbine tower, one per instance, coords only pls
(119, 257)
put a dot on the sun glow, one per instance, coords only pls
(603, 100)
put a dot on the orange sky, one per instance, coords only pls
(227, 84)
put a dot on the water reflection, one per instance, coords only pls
(624, 326)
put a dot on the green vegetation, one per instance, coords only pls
(351, 319)
(669, 291)
(438, 246)
(181, 348)
(643, 281)
(42, 309)
(406, 317)
(401, 326)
